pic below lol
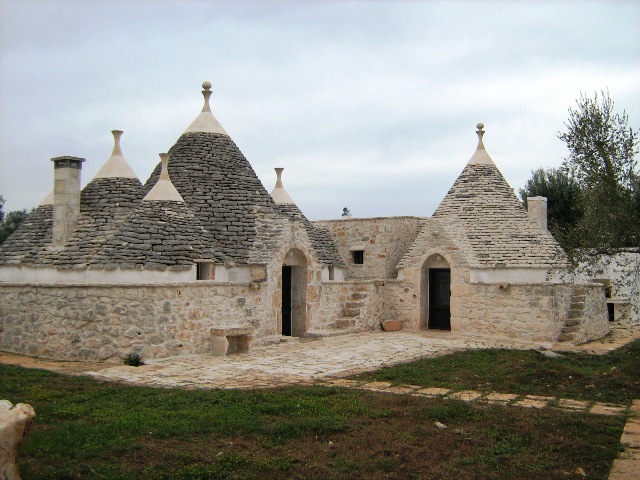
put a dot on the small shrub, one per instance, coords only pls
(133, 359)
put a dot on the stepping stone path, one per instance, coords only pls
(494, 398)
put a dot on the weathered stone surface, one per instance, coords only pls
(14, 424)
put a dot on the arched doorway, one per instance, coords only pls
(294, 294)
(435, 294)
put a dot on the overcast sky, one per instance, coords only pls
(367, 105)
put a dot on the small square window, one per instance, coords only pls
(204, 270)
(358, 257)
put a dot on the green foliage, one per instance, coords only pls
(11, 221)
(602, 160)
(563, 201)
(133, 360)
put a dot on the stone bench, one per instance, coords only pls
(231, 340)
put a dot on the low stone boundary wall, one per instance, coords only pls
(106, 322)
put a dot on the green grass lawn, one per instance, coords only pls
(94, 430)
(604, 378)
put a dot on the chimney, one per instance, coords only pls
(537, 209)
(66, 197)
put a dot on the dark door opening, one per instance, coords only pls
(439, 298)
(286, 301)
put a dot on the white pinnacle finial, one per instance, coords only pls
(206, 122)
(480, 133)
(480, 156)
(279, 194)
(164, 189)
(116, 142)
(207, 94)
(279, 175)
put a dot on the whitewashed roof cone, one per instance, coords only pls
(116, 166)
(48, 200)
(480, 156)
(164, 189)
(279, 194)
(206, 122)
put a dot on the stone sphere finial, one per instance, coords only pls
(480, 133)
(206, 85)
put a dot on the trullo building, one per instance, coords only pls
(201, 259)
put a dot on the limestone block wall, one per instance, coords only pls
(593, 322)
(384, 241)
(106, 322)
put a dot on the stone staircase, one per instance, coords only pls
(345, 324)
(574, 320)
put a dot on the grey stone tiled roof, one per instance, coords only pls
(482, 213)
(33, 235)
(320, 239)
(219, 186)
(104, 204)
(158, 235)
(223, 191)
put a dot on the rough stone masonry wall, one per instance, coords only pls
(385, 241)
(533, 312)
(594, 317)
(106, 322)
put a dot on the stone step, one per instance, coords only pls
(358, 296)
(330, 332)
(579, 298)
(566, 337)
(577, 305)
(574, 328)
(348, 322)
(575, 314)
(572, 321)
(351, 312)
(578, 290)
(354, 304)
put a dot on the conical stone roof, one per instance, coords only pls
(221, 188)
(482, 212)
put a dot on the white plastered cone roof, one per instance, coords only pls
(206, 122)
(279, 194)
(480, 156)
(116, 166)
(164, 189)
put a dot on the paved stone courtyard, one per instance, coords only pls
(306, 362)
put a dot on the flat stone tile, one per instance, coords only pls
(531, 403)
(496, 397)
(624, 469)
(607, 409)
(376, 386)
(466, 395)
(568, 404)
(433, 392)
(400, 389)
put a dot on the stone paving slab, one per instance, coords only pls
(627, 465)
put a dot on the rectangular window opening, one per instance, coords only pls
(358, 257)
(204, 271)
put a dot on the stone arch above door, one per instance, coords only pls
(293, 315)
